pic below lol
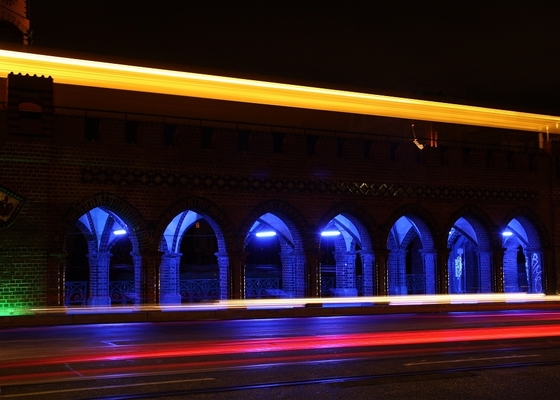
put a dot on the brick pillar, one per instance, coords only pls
(313, 260)
(368, 260)
(509, 266)
(299, 261)
(224, 275)
(535, 276)
(56, 279)
(99, 279)
(442, 270)
(137, 260)
(485, 271)
(397, 272)
(169, 279)
(429, 259)
(288, 272)
(498, 271)
(550, 283)
(237, 273)
(151, 261)
(381, 256)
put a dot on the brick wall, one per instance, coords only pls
(240, 173)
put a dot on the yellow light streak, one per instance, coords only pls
(367, 301)
(79, 72)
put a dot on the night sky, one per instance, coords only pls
(502, 54)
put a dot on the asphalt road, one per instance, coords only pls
(490, 355)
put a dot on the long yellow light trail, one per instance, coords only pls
(134, 78)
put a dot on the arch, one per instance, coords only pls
(177, 220)
(128, 213)
(471, 242)
(523, 261)
(99, 219)
(363, 221)
(347, 252)
(411, 239)
(284, 251)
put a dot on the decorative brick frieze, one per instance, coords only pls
(304, 186)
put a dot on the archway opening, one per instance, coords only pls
(194, 265)
(346, 261)
(274, 267)
(523, 268)
(470, 261)
(103, 267)
(411, 261)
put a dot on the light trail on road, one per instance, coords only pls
(8, 371)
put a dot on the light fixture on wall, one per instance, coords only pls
(265, 234)
(330, 233)
(119, 232)
(415, 140)
(507, 233)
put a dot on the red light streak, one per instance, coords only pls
(210, 348)
(9, 370)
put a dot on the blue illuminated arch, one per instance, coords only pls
(286, 275)
(176, 221)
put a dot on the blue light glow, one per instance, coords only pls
(119, 232)
(507, 233)
(265, 234)
(330, 233)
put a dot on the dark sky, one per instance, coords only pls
(495, 53)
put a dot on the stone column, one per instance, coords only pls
(99, 279)
(237, 273)
(169, 279)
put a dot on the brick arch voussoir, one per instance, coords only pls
(366, 225)
(120, 207)
(473, 212)
(294, 219)
(423, 219)
(217, 218)
(534, 219)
